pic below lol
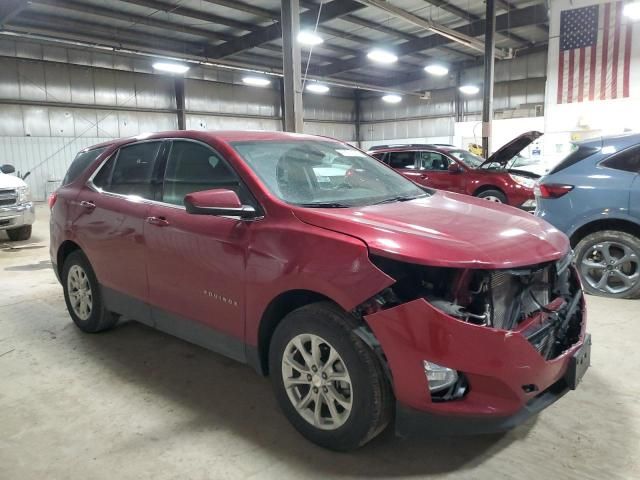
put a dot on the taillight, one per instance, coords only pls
(552, 190)
(52, 199)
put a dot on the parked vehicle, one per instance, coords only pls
(593, 196)
(460, 171)
(358, 298)
(17, 212)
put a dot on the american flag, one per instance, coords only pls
(595, 54)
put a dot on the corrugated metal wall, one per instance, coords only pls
(54, 101)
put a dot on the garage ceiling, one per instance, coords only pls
(240, 33)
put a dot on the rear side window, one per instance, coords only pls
(80, 164)
(131, 171)
(379, 156)
(628, 160)
(401, 159)
(193, 167)
(579, 153)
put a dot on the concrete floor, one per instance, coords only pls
(135, 403)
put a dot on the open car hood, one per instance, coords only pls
(512, 148)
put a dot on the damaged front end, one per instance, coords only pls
(483, 341)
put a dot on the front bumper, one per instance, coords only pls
(15, 216)
(508, 379)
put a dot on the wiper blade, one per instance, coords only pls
(399, 199)
(323, 205)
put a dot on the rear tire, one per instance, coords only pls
(82, 295)
(609, 264)
(20, 233)
(352, 410)
(495, 196)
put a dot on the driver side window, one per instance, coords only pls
(193, 167)
(433, 161)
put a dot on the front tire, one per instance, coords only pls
(328, 382)
(609, 264)
(82, 295)
(493, 196)
(20, 233)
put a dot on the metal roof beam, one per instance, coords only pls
(533, 15)
(329, 11)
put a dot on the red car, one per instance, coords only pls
(449, 168)
(366, 301)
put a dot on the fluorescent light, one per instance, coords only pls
(469, 89)
(307, 37)
(317, 88)
(437, 70)
(632, 10)
(171, 67)
(382, 56)
(256, 81)
(392, 98)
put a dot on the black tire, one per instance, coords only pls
(20, 233)
(494, 195)
(100, 318)
(372, 397)
(585, 251)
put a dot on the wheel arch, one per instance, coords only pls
(485, 187)
(278, 308)
(626, 226)
(64, 250)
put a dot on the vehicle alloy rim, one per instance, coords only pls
(611, 267)
(492, 198)
(80, 292)
(317, 381)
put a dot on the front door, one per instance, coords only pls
(197, 262)
(433, 171)
(111, 210)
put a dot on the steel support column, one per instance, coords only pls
(489, 63)
(358, 114)
(291, 66)
(180, 103)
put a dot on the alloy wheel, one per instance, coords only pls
(317, 382)
(80, 293)
(611, 267)
(492, 198)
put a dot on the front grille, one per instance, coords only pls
(8, 197)
(518, 294)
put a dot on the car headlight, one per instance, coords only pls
(524, 181)
(23, 194)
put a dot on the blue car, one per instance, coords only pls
(593, 196)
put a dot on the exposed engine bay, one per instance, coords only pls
(501, 299)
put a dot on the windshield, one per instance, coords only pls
(322, 173)
(468, 158)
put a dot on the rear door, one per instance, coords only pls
(403, 162)
(197, 262)
(623, 176)
(109, 227)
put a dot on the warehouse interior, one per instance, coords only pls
(374, 74)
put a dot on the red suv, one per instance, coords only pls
(449, 168)
(363, 296)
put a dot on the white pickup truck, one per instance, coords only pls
(17, 212)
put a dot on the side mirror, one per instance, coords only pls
(454, 168)
(219, 202)
(6, 168)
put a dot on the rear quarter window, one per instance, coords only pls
(628, 160)
(80, 164)
(579, 153)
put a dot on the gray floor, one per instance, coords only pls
(134, 403)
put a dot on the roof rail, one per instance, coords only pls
(406, 145)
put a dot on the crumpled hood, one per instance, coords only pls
(10, 181)
(446, 229)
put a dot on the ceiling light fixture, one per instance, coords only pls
(317, 88)
(308, 37)
(256, 81)
(436, 69)
(170, 67)
(632, 10)
(382, 56)
(469, 89)
(392, 98)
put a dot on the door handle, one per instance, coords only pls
(87, 205)
(158, 221)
